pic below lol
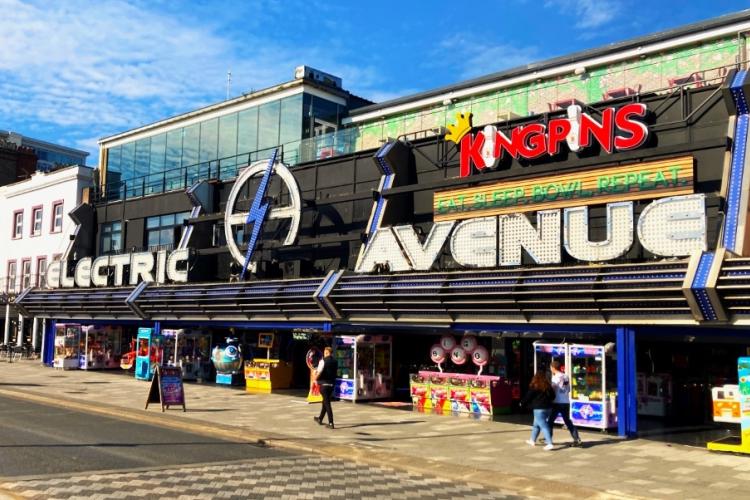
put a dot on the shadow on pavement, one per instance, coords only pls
(128, 445)
(368, 424)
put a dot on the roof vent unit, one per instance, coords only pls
(317, 76)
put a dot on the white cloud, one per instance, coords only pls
(475, 58)
(92, 69)
(589, 13)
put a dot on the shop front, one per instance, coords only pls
(611, 238)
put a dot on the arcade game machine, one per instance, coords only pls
(654, 394)
(192, 353)
(732, 404)
(227, 360)
(149, 353)
(67, 346)
(264, 375)
(365, 367)
(544, 354)
(101, 347)
(593, 387)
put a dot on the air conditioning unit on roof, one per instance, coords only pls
(317, 76)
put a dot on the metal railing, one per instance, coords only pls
(429, 123)
(291, 153)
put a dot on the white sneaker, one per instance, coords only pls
(549, 447)
(530, 442)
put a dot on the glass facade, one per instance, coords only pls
(111, 238)
(163, 231)
(215, 148)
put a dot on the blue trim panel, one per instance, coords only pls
(627, 389)
(258, 212)
(698, 286)
(734, 194)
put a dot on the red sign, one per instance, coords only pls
(617, 129)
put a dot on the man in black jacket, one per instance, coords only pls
(325, 376)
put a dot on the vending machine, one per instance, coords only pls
(365, 367)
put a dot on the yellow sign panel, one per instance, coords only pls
(585, 187)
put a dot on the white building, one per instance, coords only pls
(35, 230)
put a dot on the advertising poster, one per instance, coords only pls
(170, 382)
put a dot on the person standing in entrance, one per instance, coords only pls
(561, 405)
(325, 376)
(539, 399)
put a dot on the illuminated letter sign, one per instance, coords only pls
(615, 130)
(140, 266)
(292, 211)
(668, 227)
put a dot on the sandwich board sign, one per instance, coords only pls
(167, 388)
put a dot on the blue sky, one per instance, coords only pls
(72, 72)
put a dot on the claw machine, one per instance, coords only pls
(593, 381)
(365, 367)
(101, 347)
(593, 386)
(149, 353)
(191, 352)
(545, 353)
(67, 346)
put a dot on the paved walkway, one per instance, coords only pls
(488, 453)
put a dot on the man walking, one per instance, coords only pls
(561, 405)
(325, 376)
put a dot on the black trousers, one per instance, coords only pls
(563, 409)
(326, 390)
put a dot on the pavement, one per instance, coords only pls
(492, 455)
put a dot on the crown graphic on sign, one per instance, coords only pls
(460, 129)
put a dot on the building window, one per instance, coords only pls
(17, 224)
(111, 240)
(57, 216)
(41, 271)
(25, 274)
(36, 217)
(164, 231)
(10, 284)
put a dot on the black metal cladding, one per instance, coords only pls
(246, 301)
(733, 287)
(589, 293)
(78, 303)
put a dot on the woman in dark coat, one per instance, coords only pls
(540, 398)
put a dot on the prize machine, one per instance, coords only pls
(227, 360)
(101, 347)
(450, 393)
(654, 394)
(149, 353)
(192, 353)
(312, 358)
(593, 384)
(264, 375)
(67, 346)
(731, 404)
(544, 354)
(365, 367)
